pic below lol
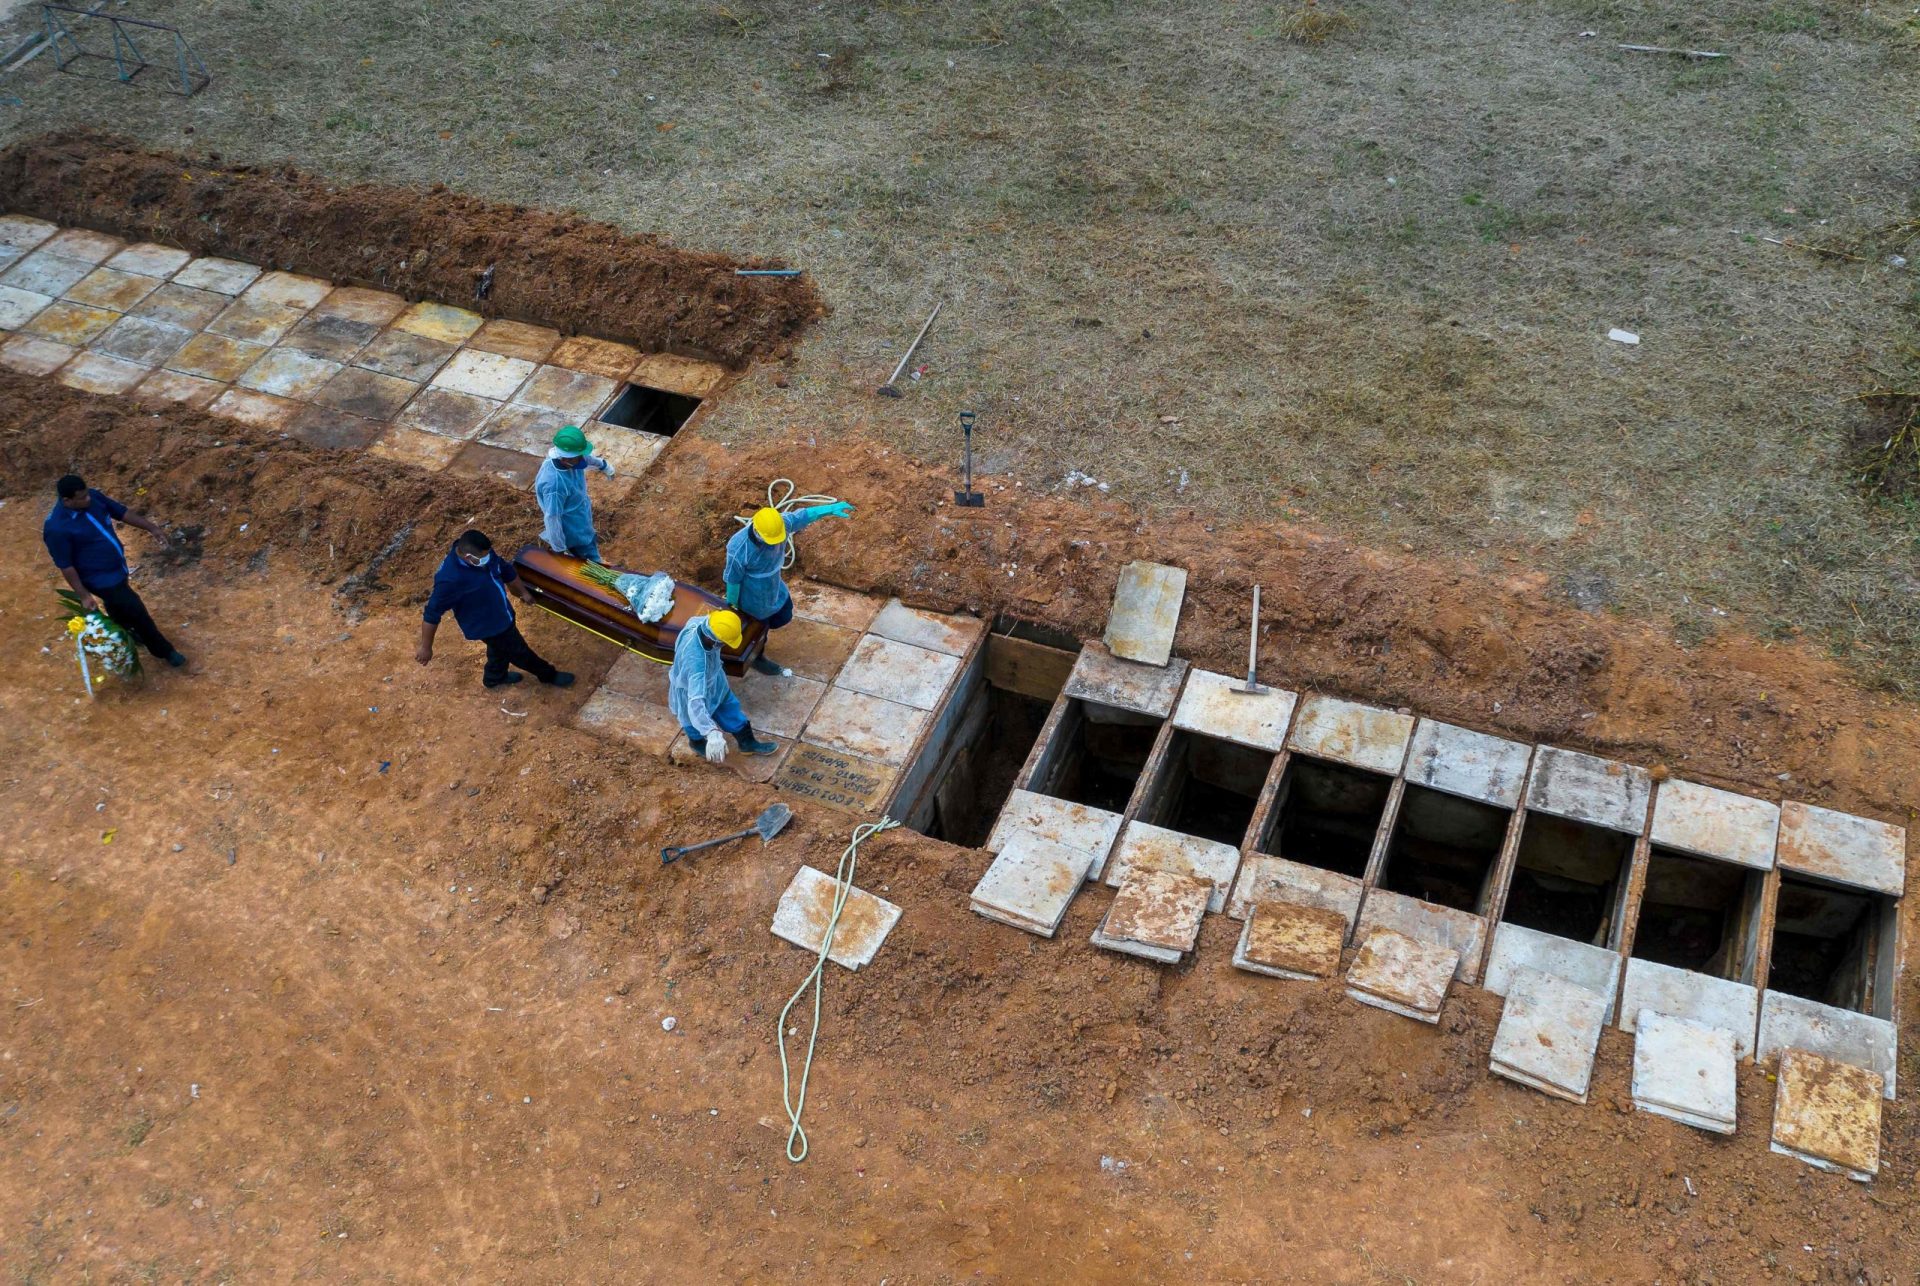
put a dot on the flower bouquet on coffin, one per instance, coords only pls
(101, 645)
(650, 597)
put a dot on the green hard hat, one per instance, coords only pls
(572, 441)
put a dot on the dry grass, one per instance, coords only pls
(1306, 23)
(1372, 277)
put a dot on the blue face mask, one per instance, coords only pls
(484, 560)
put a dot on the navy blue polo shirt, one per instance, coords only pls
(84, 539)
(477, 596)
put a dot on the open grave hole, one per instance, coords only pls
(1096, 755)
(1701, 915)
(1834, 946)
(1445, 848)
(1207, 787)
(1569, 879)
(650, 410)
(1326, 815)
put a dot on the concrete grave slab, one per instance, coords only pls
(523, 428)
(1159, 955)
(870, 727)
(758, 769)
(1715, 823)
(1596, 969)
(1058, 821)
(574, 394)
(778, 705)
(615, 714)
(596, 356)
(1265, 877)
(112, 289)
(1461, 932)
(447, 413)
(478, 460)
(22, 232)
(686, 376)
(45, 273)
(1401, 975)
(249, 406)
(1794, 1022)
(1827, 1114)
(221, 276)
(831, 605)
(98, 373)
(181, 306)
(1104, 679)
(31, 355)
(438, 321)
(515, 339)
(171, 386)
(375, 308)
(9, 255)
(638, 676)
(1031, 883)
(951, 635)
(1472, 765)
(142, 340)
(627, 450)
(1158, 908)
(405, 355)
(83, 245)
(1549, 1032)
(811, 649)
(836, 778)
(290, 373)
(901, 672)
(1210, 705)
(338, 339)
(1733, 1007)
(255, 319)
(368, 394)
(1855, 851)
(1146, 611)
(1350, 733)
(481, 374)
(215, 357)
(1153, 848)
(1282, 940)
(1684, 1071)
(416, 447)
(70, 323)
(806, 909)
(18, 307)
(290, 290)
(150, 260)
(336, 430)
(1587, 788)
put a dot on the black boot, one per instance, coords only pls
(751, 745)
(764, 666)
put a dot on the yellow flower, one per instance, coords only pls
(76, 625)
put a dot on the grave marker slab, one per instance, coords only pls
(1549, 1032)
(1827, 1114)
(1402, 975)
(1347, 732)
(807, 906)
(1031, 883)
(1283, 940)
(1684, 1071)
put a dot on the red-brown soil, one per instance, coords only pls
(415, 947)
(555, 269)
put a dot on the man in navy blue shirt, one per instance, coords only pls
(472, 583)
(79, 534)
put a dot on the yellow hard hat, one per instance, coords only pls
(770, 526)
(726, 627)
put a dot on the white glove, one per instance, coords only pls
(716, 747)
(607, 467)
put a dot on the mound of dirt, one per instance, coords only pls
(504, 261)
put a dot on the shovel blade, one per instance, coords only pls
(772, 822)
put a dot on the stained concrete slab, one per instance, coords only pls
(326, 426)
(486, 375)
(256, 319)
(478, 460)
(150, 260)
(181, 306)
(70, 323)
(628, 450)
(374, 308)
(806, 908)
(1159, 955)
(83, 245)
(574, 394)
(1077, 826)
(31, 355)
(686, 376)
(416, 447)
(870, 727)
(22, 232)
(1733, 1007)
(171, 386)
(1794, 1022)
(369, 394)
(1856, 851)
(1684, 1070)
(98, 373)
(837, 779)
(831, 605)
(1827, 1114)
(1283, 940)
(1267, 878)
(439, 322)
(1146, 612)
(262, 410)
(1587, 788)
(952, 635)
(596, 356)
(1347, 732)
(1153, 848)
(1715, 823)
(1402, 975)
(290, 290)
(758, 769)
(1100, 677)
(18, 307)
(1472, 765)
(338, 339)
(447, 413)
(1596, 969)
(406, 355)
(614, 714)
(515, 339)
(1031, 883)
(142, 340)
(522, 428)
(776, 704)
(1210, 704)
(913, 676)
(638, 676)
(289, 373)
(215, 357)
(1156, 907)
(1461, 932)
(111, 288)
(1549, 1032)
(811, 649)
(45, 273)
(221, 276)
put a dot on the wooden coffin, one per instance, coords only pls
(559, 586)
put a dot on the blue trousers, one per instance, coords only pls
(729, 716)
(589, 551)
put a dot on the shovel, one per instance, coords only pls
(766, 826)
(1254, 687)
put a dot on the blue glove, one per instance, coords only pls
(733, 594)
(838, 509)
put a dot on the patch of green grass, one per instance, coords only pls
(138, 1131)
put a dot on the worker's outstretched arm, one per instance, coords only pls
(423, 653)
